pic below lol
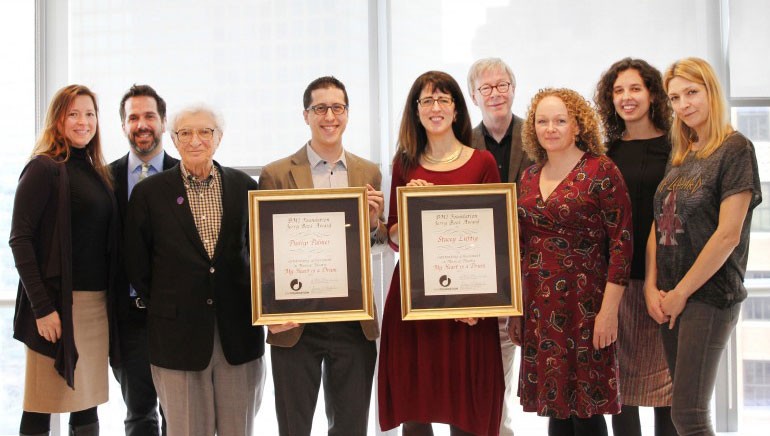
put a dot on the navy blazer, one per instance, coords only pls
(119, 169)
(190, 296)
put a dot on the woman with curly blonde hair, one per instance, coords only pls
(637, 116)
(576, 258)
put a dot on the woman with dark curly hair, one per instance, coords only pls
(576, 246)
(447, 371)
(636, 116)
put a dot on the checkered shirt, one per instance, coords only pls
(205, 198)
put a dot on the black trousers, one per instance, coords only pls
(339, 355)
(136, 380)
(574, 426)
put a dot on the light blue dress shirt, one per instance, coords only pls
(134, 170)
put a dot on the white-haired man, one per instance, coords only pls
(187, 256)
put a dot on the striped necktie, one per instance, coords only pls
(145, 171)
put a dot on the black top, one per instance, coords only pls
(643, 164)
(91, 211)
(500, 150)
(41, 242)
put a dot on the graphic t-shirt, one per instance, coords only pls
(687, 214)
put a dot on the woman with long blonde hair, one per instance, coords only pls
(697, 251)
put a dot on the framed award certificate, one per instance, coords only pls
(310, 256)
(459, 251)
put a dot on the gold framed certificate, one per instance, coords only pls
(459, 251)
(310, 256)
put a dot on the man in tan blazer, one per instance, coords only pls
(342, 354)
(492, 85)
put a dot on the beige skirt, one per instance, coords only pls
(45, 391)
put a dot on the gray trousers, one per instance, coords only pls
(222, 399)
(693, 349)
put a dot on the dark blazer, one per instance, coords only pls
(41, 242)
(519, 160)
(119, 170)
(293, 172)
(188, 295)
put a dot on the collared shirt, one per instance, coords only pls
(205, 198)
(327, 174)
(500, 150)
(135, 169)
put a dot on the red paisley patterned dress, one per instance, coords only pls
(572, 243)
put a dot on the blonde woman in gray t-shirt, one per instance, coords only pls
(696, 255)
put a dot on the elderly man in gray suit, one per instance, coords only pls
(491, 84)
(342, 354)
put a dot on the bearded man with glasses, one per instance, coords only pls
(143, 118)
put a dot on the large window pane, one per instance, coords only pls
(11, 371)
(749, 45)
(18, 115)
(548, 43)
(250, 59)
(754, 122)
(18, 118)
(754, 327)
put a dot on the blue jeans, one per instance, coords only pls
(693, 349)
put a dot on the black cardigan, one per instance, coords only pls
(41, 242)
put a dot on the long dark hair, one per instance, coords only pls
(412, 138)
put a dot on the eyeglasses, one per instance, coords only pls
(186, 135)
(322, 109)
(430, 101)
(501, 87)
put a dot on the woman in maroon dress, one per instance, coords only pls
(575, 221)
(446, 371)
